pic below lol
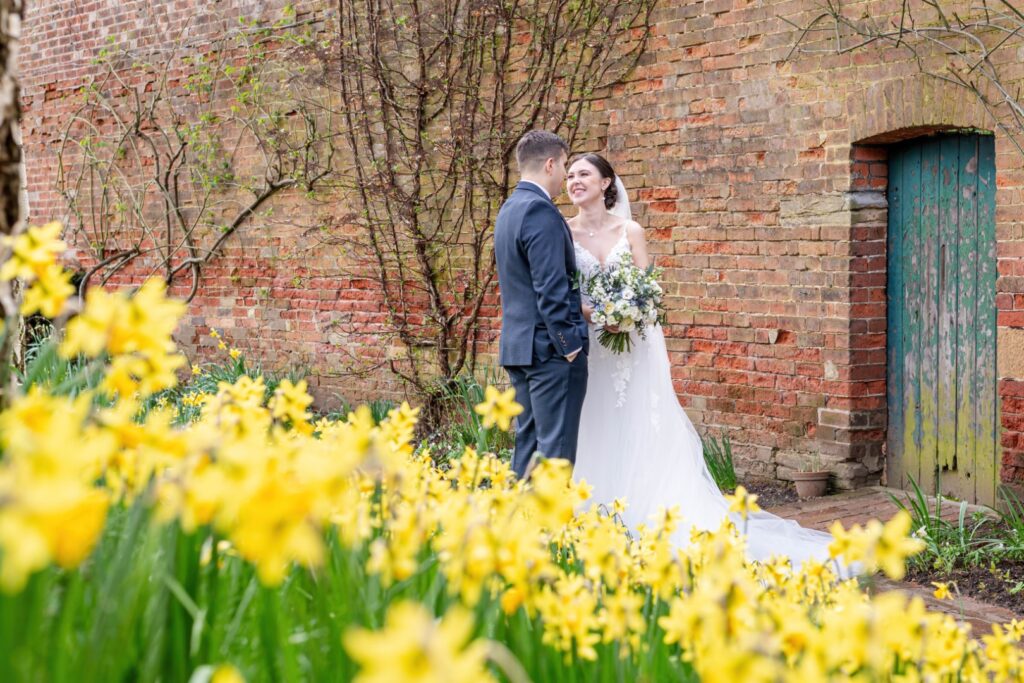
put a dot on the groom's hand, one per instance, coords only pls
(572, 356)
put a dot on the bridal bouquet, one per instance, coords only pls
(627, 297)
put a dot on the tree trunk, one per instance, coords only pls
(10, 117)
(12, 211)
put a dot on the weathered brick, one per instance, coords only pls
(768, 217)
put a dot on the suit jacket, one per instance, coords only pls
(540, 302)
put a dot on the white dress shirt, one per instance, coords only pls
(546, 193)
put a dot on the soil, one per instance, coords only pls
(1002, 584)
(771, 493)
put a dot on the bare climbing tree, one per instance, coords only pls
(434, 96)
(971, 45)
(158, 172)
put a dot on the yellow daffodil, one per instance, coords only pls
(225, 673)
(249, 473)
(48, 293)
(33, 252)
(498, 408)
(895, 545)
(290, 401)
(742, 502)
(412, 646)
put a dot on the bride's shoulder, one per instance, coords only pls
(633, 229)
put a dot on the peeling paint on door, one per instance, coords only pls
(942, 316)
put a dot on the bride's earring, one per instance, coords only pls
(603, 190)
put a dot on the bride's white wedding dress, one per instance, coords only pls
(637, 443)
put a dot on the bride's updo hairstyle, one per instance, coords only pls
(611, 194)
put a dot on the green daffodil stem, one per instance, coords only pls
(506, 662)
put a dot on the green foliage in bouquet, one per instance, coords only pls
(626, 299)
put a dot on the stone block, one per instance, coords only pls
(833, 418)
(865, 199)
(1010, 353)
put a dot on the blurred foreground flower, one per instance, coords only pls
(877, 546)
(34, 260)
(416, 648)
(743, 502)
(498, 408)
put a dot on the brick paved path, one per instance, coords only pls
(857, 507)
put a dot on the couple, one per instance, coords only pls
(633, 439)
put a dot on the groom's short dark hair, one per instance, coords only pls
(537, 146)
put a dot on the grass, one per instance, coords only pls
(44, 367)
(1012, 519)
(149, 606)
(973, 539)
(379, 409)
(158, 603)
(718, 456)
(461, 427)
(213, 374)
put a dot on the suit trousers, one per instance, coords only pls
(551, 393)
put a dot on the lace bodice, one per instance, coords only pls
(588, 264)
(619, 366)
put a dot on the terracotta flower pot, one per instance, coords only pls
(810, 484)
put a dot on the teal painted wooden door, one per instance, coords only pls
(942, 317)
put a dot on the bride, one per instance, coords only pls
(635, 441)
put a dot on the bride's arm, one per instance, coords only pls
(637, 244)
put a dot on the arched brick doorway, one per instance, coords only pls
(941, 331)
(941, 377)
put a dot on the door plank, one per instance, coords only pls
(967, 293)
(894, 311)
(986, 467)
(954, 481)
(928, 358)
(911, 225)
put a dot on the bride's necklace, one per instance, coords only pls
(591, 232)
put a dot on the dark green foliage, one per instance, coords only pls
(718, 456)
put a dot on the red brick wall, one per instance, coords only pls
(275, 294)
(1011, 393)
(744, 168)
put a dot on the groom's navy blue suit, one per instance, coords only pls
(542, 323)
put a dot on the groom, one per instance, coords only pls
(544, 341)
